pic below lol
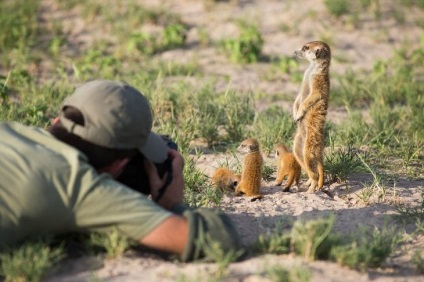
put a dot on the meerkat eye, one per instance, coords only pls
(305, 48)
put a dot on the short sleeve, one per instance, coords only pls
(104, 203)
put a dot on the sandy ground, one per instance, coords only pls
(355, 47)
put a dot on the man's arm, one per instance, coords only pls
(181, 232)
(170, 236)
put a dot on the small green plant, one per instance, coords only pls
(341, 162)
(288, 64)
(366, 194)
(112, 242)
(307, 237)
(33, 115)
(174, 36)
(418, 261)
(247, 47)
(337, 8)
(30, 261)
(369, 250)
(267, 171)
(143, 42)
(214, 252)
(295, 274)
(275, 243)
(278, 274)
(410, 149)
(378, 183)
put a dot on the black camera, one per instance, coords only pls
(135, 175)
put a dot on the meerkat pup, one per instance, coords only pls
(310, 111)
(225, 179)
(251, 175)
(287, 165)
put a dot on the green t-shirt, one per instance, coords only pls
(48, 186)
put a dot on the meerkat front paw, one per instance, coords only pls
(300, 114)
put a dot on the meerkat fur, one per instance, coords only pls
(251, 175)
(287, 165)
(310, 111)
(225, 179)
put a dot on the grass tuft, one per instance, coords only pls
(30, 261)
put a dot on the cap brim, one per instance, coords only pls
(155, 148)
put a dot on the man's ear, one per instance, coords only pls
(115, 168)
(55, 121)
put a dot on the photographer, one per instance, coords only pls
(64, 179)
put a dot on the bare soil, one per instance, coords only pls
(354, 47)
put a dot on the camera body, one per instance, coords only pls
(135, 176)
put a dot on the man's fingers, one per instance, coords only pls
(177, 159)
(153, 175)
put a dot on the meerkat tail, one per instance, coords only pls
(256, 197)
(320, 176)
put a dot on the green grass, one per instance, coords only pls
(418, 262)
(275, 126)
(368, 251)
(337, 8)
(295, 274)
(214, 253)
(316, 240)
(247, 47)
(308, 236)
(111, 242)
(30, 261)
(341, 162)
(19, 30)
(391, 92)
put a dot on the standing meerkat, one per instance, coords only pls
(251, 175)
(287, 165)
(225, 179)
(310, 111)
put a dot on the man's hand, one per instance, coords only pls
(174, 192)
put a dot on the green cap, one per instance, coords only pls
(116, 115)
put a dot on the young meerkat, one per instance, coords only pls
(251, 175)
(310, 111)
(287, 165)
(225, 179)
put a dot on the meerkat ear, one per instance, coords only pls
(318, 53)
(235, 183)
